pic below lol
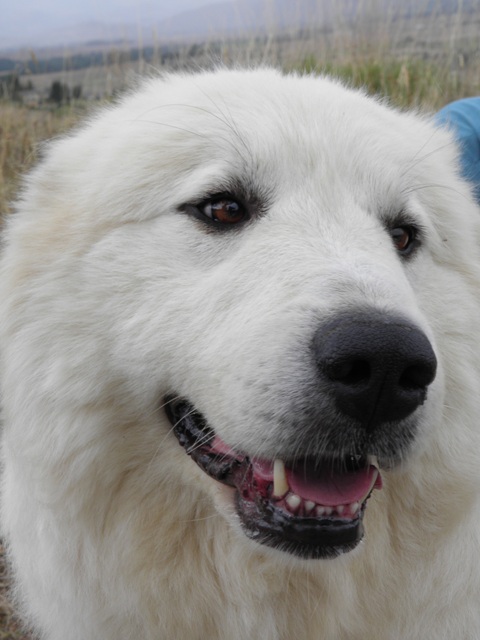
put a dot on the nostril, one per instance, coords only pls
(417, 376)
(349, 372)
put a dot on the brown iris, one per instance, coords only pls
(224, 211)
(403, 238)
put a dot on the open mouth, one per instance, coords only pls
(307, 507)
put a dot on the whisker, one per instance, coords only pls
(434, 186)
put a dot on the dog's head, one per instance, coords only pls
(271, 262)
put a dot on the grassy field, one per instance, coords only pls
(422, 65)
(406, 83)
(22, 130)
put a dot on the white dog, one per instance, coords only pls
(240, 370)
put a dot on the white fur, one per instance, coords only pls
(112, 298)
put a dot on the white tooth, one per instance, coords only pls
(280, 484)
(293, 501)
(354, 507)
(320, 511)
(340, 509)
(328, 511)
(309, 505)
(374, 477)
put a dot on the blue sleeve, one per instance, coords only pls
(463, 118)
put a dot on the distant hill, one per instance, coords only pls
(228, 18)
(260, 15)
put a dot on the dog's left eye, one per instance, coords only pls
(224, 211)
(404, 238)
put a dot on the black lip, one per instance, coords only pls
(308, 538)
(261, 519)
(195, 436)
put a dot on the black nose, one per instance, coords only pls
(376, 367)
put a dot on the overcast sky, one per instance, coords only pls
(24, 22)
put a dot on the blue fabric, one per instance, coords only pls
(463, 118)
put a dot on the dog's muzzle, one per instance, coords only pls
(375, 371)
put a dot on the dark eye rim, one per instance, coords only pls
(195, 210)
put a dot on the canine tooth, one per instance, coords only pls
(354, 507)
(309, 505)
(340, 509)
(328, 511)
(293, 501)
(320, 511)
(280, 484)
(373, 461)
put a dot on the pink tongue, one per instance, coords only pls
(325, 487)
(328, 487)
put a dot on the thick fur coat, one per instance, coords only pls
(118, 292)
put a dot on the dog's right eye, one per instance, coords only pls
(221, 211)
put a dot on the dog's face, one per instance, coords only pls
(268, 270)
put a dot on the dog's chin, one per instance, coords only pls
(309, 508)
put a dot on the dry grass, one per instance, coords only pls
(21, 132)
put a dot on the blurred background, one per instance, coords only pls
(60, 59)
